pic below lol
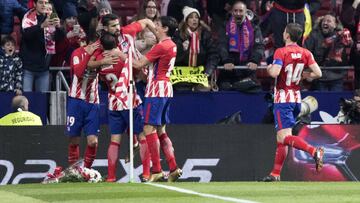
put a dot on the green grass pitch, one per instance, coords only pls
(138, 193)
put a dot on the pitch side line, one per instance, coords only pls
(181, 190)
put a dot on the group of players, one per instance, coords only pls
(107, 58)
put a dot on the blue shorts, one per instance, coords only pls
(285, 114)
(82, 115)
(156, 110)
(119, 121)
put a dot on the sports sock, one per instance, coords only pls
(112, 155)
(280, 156)
(145, 157)
(299, 143)
(168, 150)
(154, 147)
(90, 154)
(73, 153)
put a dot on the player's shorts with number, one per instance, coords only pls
(119, 121)
(285, 114)
(82, 115)
(156, 110)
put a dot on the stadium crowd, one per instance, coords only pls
(37, 35)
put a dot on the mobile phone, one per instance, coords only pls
(76, 28)
(53, 15)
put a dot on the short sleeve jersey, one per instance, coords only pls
(162, 56)
(292, 59)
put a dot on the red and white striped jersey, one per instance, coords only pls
(163, 56)
(84, 84)
(292, 59)
(115, 77)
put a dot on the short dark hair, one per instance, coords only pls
(295, 31)
(171, 23)
(109, 17)
(6, 39)
(108, 41)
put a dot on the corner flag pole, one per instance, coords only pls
(131, 95)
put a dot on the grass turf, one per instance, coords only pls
(111, 192)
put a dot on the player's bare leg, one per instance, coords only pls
(153, 142)
(169, 152)
(73, 150)
(91, 149)
(113, 156)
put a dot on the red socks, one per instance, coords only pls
(154, 148)
(145, 157)
(73, 153)
(168, 150)
(280, 156)
(90, 154)
(113, 156)
(299, 143)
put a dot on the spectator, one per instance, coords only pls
(21, 115)
(330, 47)
(87, 16)
(10, 67)
(8, 9)
(218, 10)
(349, 16)
(72, 37)
(195, 46)
(241, 44)
(288, 11)
(38, 45)
(104, 8)
(146, 39)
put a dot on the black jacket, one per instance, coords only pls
(257, 51)
(32, 49)
(208, 55)
(315, 44)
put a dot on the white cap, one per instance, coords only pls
(188, 10)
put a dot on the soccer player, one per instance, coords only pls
(287, 69)
(83, 110)
(115, 42)
(157, 98)
(119, 107)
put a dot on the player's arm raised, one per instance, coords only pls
(149, 24)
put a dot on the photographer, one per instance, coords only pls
(350, 109)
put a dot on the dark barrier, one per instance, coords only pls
(204, 152)
(202, 107)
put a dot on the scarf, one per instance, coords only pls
(337, 43)
(241, 39)
(30, 19)
(194, 47)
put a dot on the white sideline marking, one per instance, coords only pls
(229, 199)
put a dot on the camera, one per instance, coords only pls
(347, 105)
(349, 111)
